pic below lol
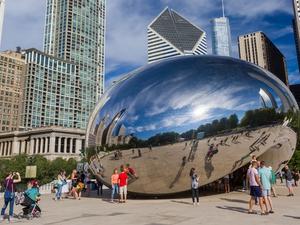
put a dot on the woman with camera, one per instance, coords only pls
(9, 193)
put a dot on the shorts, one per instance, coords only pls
(226, 180)
(255, 191)
(266, 192)
(123, 190)
(289, 183)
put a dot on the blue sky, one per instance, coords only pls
(127, 20)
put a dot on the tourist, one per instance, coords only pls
(78, 189)
(123, 178)
(255, 188)
(9, 194)
(273, 182)
(87, 183)
(73, 177)
(99, 186)
(61, 180)
(114, 184)
(296, 177)
(265, 175)
(227, 183)
(289, 180)
(194, 185)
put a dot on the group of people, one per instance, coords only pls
(119, 182)
(262, 180)
(28, 199)
(79, 182)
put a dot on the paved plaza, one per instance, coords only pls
(217, 209)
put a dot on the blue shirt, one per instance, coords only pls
(265, 175)
(32, 193)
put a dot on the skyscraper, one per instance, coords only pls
(12, 70)
(51, 93)
(74, 38)
(2, 7)
(296, 26)
(257, 48)
(221, 35)
(171, 35)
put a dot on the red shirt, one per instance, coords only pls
(123, 179)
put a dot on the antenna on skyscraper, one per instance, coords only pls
(223, 8)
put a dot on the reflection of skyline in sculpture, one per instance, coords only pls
(177, 108)
(267, 99)
(113, 134)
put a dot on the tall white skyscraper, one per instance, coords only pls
(171, 35)
(2, 7)
(296, 26)
(221, 35)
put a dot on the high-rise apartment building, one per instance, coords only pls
(2, 7)
(296, 26)
(72, 67)
(257, 48)
(221, 35)
(171, 35)
(51, 92)
(12, 70)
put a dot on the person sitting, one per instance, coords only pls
(78, 189)
(32, 196)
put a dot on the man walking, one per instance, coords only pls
(265, 175)
(255, 188)
(289, 180)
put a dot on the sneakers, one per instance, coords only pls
(194, 203)
(197, 203)
(1, 219)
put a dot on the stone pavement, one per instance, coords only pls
(213, 210)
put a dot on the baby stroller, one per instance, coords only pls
(31, 208)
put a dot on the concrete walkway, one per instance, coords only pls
(213, 210)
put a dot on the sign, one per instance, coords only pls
(30, 172)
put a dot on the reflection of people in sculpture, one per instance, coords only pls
(212, 150)
(183, 163)
(131, 172)
(139, 153)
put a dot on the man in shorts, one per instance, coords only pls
(289, 180)
(255, 187)
(123, 178)
(265, 175)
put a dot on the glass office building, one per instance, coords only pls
(74, 31)
(2, 7)
(51, 94)
(221, 37)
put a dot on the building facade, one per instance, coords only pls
(51, 92)
(257, 48)
(74, 31)
(12, 70)
(50, 142)
(296, 26)
(2, 9)
(221, 37)
(171, 35)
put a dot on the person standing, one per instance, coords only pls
(265, 175)
(273, 182)
(227, 183)
(123, 179)
(9, 194)
(194, 186)
(59, 183)
(296, 177)
(289, 180)
(114, 184)
(255, 187)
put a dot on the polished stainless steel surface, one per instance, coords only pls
(207, 112)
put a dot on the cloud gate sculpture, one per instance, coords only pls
(207, 112)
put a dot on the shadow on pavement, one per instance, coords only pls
(235, 209)
(234, 200)
(181, 202)
(294, 217)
